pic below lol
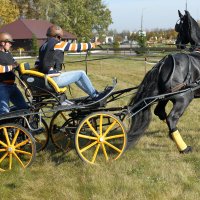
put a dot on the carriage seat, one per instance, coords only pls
(38, 81)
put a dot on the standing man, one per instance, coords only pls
(8, 89)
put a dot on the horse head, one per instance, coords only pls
(182, 28)
(188, 31)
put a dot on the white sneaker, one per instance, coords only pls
(67, 103)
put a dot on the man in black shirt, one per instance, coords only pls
(51, 57)
(8, 89)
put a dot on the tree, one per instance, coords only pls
(116, 45)
(82, 18)
(34, 45)
(142, 40)
(9, 12)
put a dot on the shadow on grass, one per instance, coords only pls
(11, 185)
(59, 156)
(155, 134)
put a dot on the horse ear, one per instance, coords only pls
(179, 13)
(187, 13)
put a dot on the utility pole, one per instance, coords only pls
(142, 21)
(142, 35)
(186, 5)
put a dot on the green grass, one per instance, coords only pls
(152, 170)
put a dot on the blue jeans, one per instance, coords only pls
(10, 93)
(78, 77)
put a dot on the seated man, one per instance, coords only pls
(8, 89)
(51, 57)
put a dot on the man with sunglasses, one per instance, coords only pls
(8, 89)
(51, 57)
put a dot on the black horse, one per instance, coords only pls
(188, 31)
(173, 73)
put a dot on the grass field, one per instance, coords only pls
(152, 170)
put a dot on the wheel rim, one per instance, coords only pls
(17, 147)
(62, 131)
(42, 137)
(100, 136)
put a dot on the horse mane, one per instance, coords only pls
(147, 85)
(194, 29)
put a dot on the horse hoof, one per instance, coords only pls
(187, 150)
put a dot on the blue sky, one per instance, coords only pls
(126, 14)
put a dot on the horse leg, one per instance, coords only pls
(160, 110)
(179, 105)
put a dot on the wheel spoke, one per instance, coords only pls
(67, 145)
(23, 152)
(15, 137)
(38, 140)
(3, 144)
(104, 151)
(18, 159)
(6, 135)
(87, 137)
(87, 147)
(109, 128)
(10, 161)
(92, 128)
(101, 125)
(2, 150)
(114, 137)
(22, 143)
(3, 157)
(116, 128)
(64, 117)
(113, 147)
(95, 153)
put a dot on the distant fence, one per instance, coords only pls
(108, 51)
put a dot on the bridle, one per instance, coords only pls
(183, 36)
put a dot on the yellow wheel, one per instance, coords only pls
(17, 147)
(62, 131)
(100, 136)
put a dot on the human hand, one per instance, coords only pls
(97, 43)
(15, 64)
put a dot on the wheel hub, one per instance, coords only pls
(101, 139)
(11, 149)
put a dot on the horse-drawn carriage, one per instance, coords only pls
(96, 131)
(86, 125)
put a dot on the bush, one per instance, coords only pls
(116, 46)
(35, 47)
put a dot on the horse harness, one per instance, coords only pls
(187, 79)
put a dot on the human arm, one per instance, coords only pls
(8, 68)
(76, 47)
(53, 73)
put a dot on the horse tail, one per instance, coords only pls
(148, 88)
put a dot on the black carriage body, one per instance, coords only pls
(37, 85)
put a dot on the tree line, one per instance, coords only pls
(82, 18)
